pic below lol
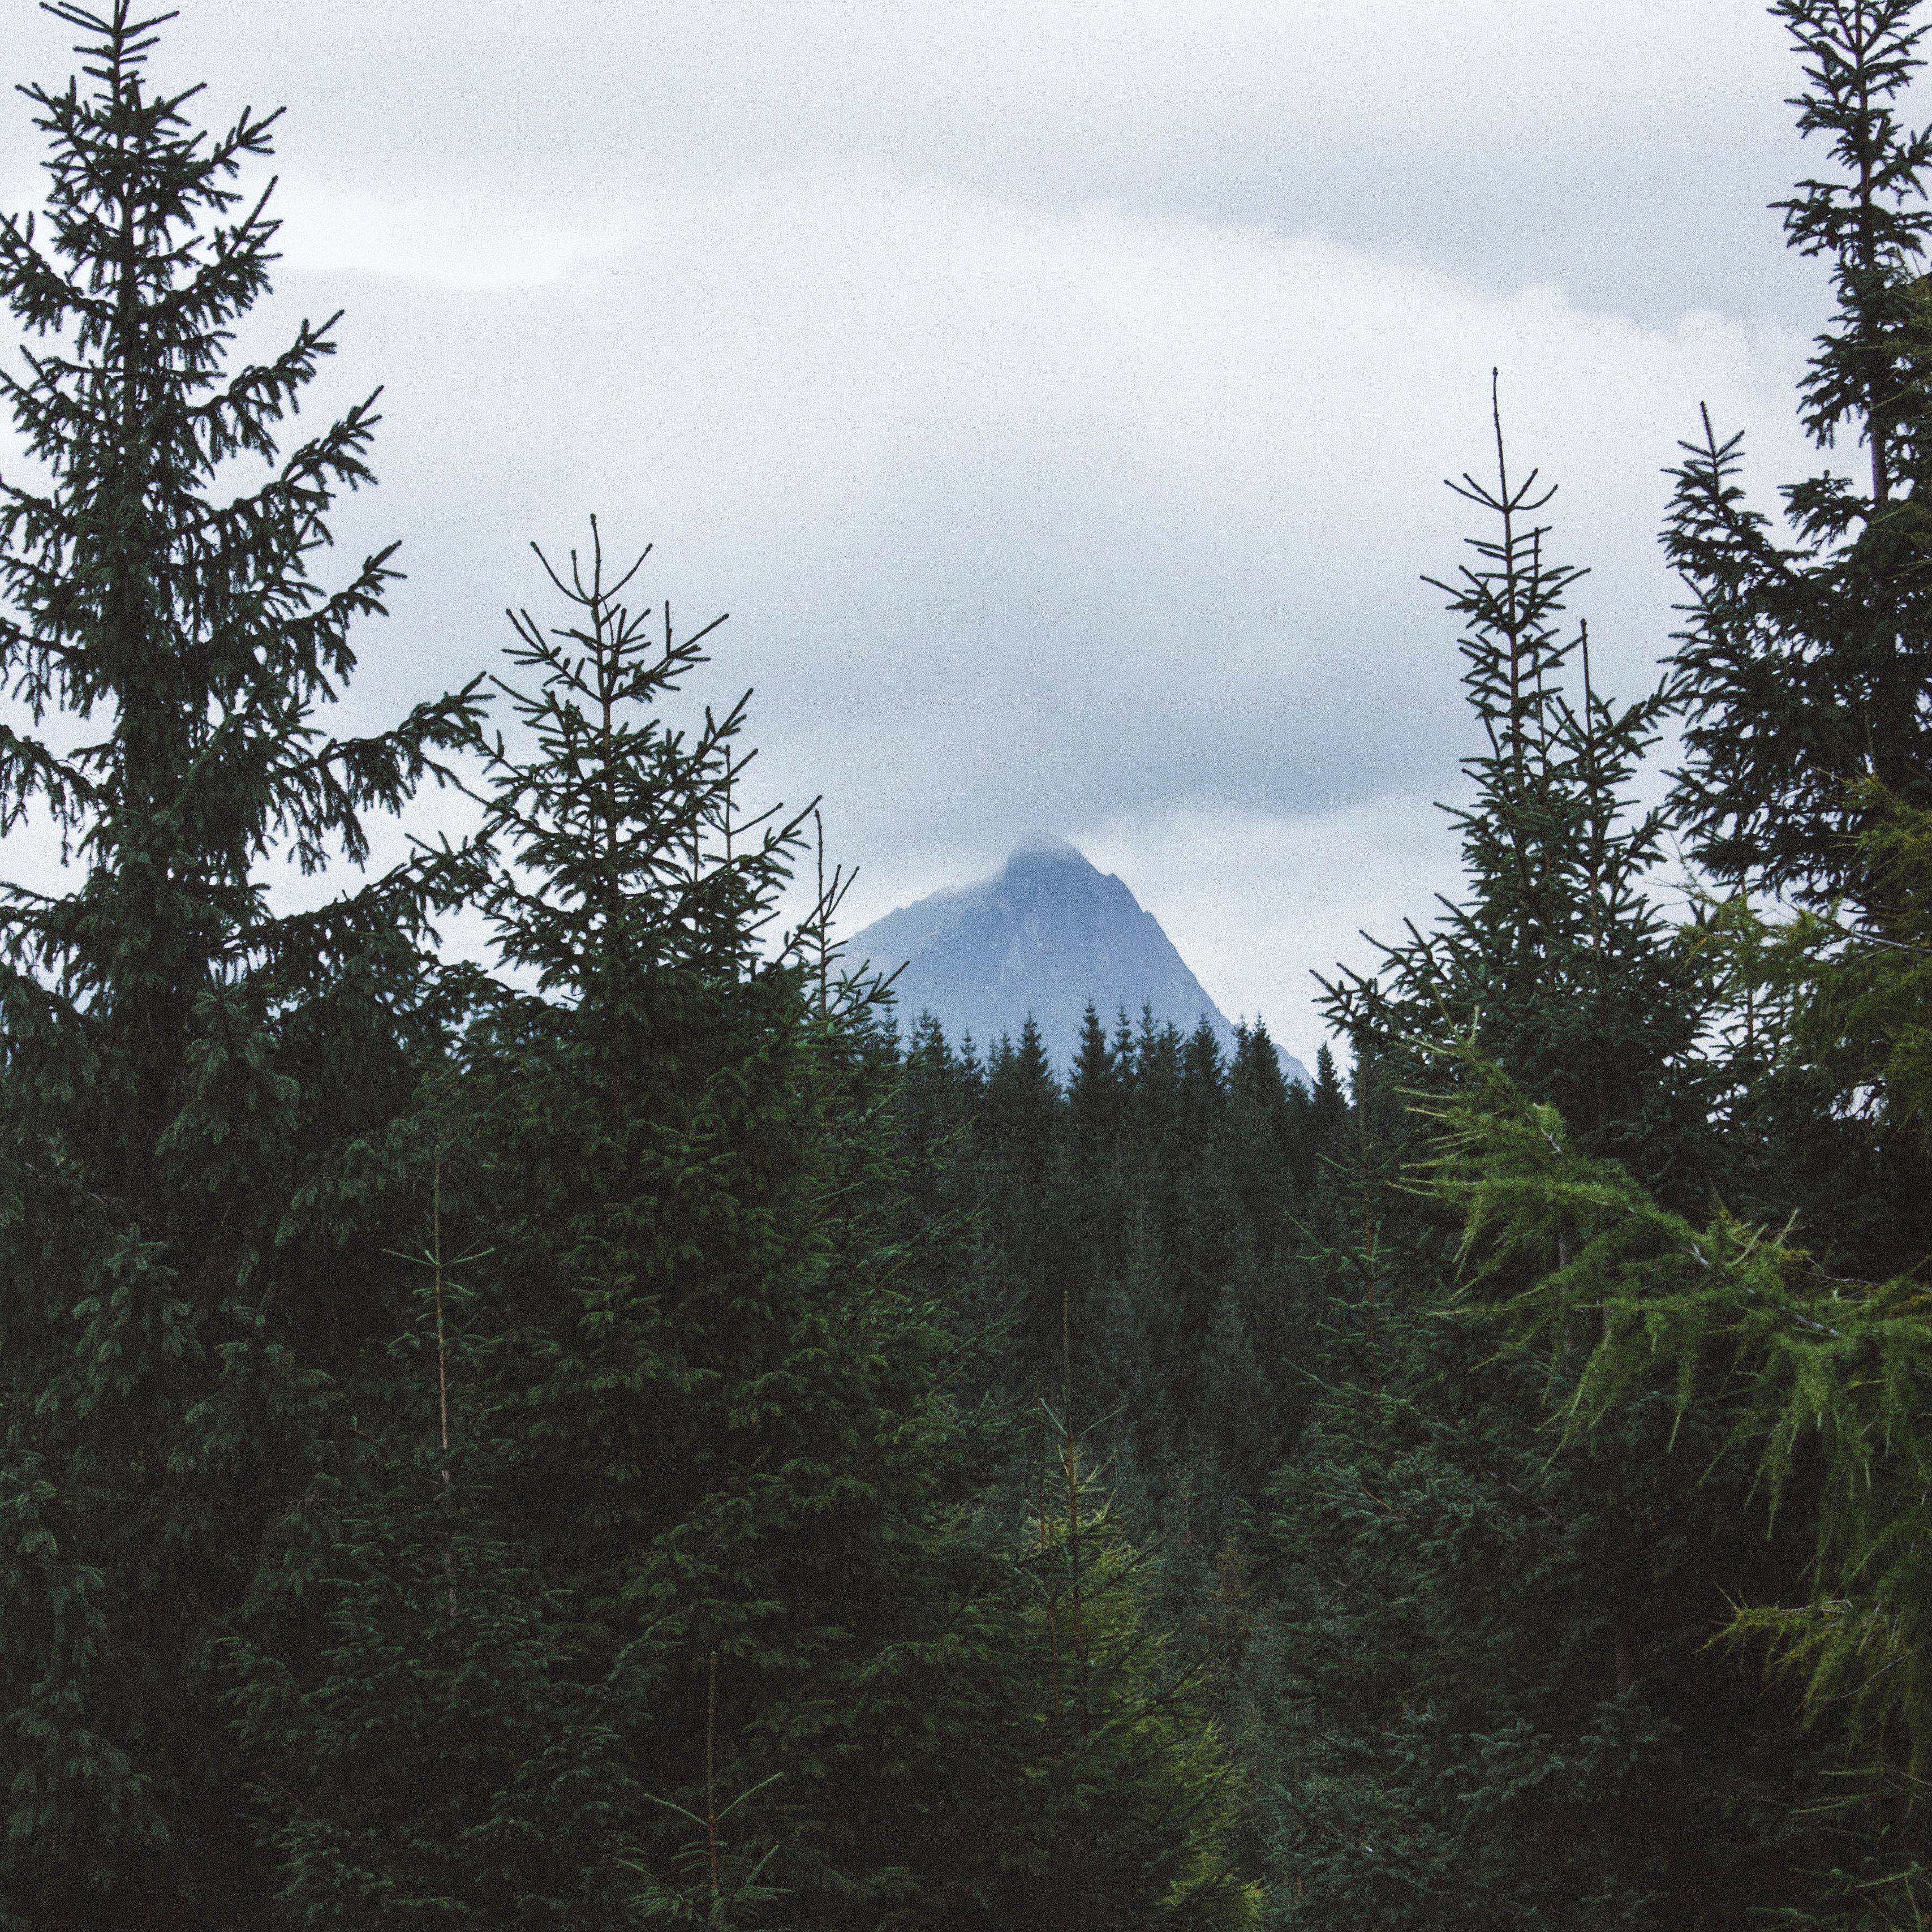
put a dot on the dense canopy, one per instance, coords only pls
(640, 1432)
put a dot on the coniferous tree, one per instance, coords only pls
(1804, 662)
(1802, 667)
(1019, 1144)
(1129, 1815)
(1313, 1121)
(1803, 670)
(204, 1147)
(725, 1430)
(1095, 1095)
(1146, 1261)
(1498, 1706)
(705, 1518)
(458, 1755)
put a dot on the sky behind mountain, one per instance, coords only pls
(1057, 396)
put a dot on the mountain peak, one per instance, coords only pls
(1047, 845)
(1040, 939)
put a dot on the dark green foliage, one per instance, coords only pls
(204, 1142)
(1556, 959)
(459, 1760)
(1551, 1754)
(1497, 1704)
(1804, 663)
(1804, 666)
(629, 1567)
(1484, 1665)
(1496, 1693)
(1142, 1241)
(1154, 1208)
(709, 1516)
(1497, 1707)
(1829, 1372)
(1834, 1363)
(1192, 1303)
(835, 1486)
(1127, 1816)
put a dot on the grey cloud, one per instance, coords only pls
(1625, 147)
(1058, 396)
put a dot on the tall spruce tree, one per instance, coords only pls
(1498, 1705)
(203, 1145)
(1804, 669)
(1809, 649)
(1809, 644)
(697, 1565)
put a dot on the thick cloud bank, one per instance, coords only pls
(1057, 410)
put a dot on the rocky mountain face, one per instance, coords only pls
(1043, 936)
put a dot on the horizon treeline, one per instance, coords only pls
(1138, 1239)
(619, 1437)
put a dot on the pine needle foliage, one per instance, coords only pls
(204, 1102)
(715, 1389)
(1807, 648)
(1802, 667)
(1828, 1372)
(1496, 1705)
(1841, 998)
(1155, 1199)
(460, 1758)
(1556, 954)
(1827, 1376)
(1129, 1804)
(1656, 1324)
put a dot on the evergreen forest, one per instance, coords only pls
(639, 1432)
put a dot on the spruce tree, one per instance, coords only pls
(458, 1755)
(704, 1519)
(1095, 1095)
(1808, 649)
(723, 1431)
(1557, 960)
(1314, 1119)
(1033, 1247)
(1807, 654)
(1497, 1705)
(204, 1140)
(1129, 1816)
(1799, 1291)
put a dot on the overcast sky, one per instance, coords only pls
(1056, 393)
